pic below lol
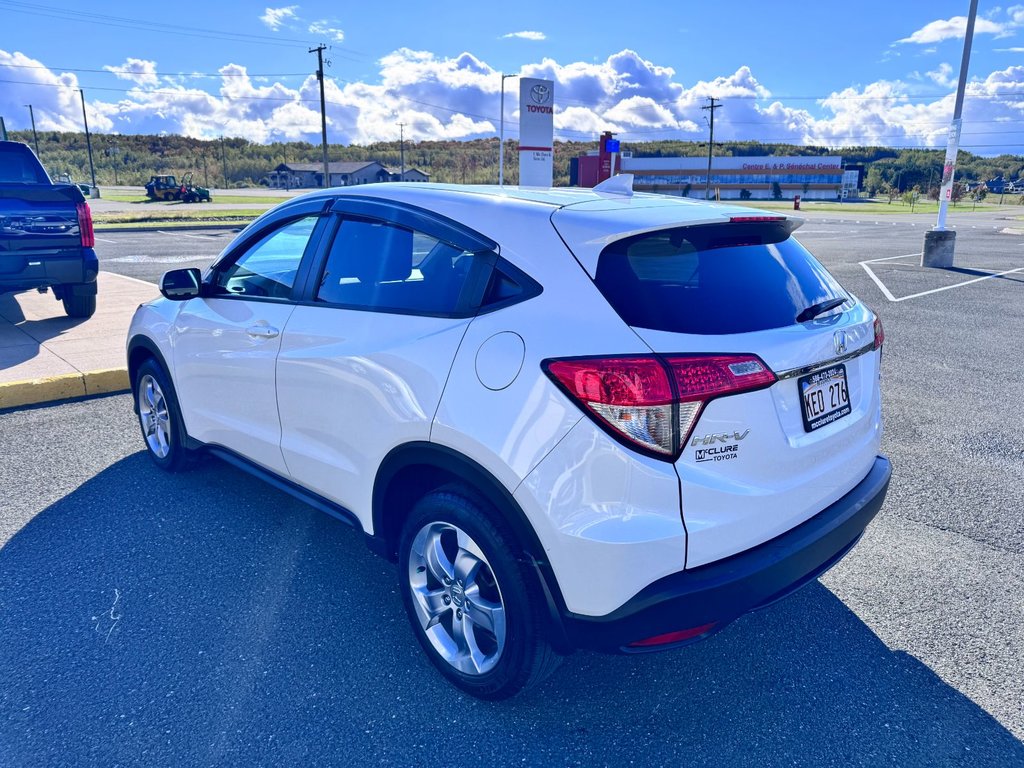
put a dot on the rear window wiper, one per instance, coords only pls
(816, 309)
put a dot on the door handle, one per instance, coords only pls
(262, 331)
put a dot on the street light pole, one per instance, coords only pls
(501, 120)
(35, 136)
(939, 242)
(88, 140)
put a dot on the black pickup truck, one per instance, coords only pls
(46, 234)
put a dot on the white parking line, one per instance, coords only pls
(104, 240)
(126, 277)
(186, 234)
(888, 294)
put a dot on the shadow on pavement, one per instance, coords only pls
(23, 343)
(207, 619)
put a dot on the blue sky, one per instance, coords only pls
(815, 73)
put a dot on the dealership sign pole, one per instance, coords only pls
(939, 242)
(536, 131)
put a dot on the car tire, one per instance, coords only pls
(156, 406)
(77, 305)
(475, 610)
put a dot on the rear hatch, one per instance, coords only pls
(734, 284)
(36, 222)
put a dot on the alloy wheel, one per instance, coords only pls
(154, 417)
(456, 598)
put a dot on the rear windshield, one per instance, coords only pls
(713, 279)
(19, 166)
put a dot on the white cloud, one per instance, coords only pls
(1010, 50)
(527, 35)
(942, 76)
(457, 98)
(275, 18)
(324, 29)
(138, 71)
(956, 27)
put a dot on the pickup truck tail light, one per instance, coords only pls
(652, 402)
(85, 225)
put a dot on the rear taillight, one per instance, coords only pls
(631, 395)
(700, 378)
(879, 334)
(85, 225)
(652, 402)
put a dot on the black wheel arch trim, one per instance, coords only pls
(426, 454)
(136, 343)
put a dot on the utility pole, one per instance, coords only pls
(224, 162)
(35, 136)
(711, 141)
(3, 129)
(939, 242)
(501, 120)
(88, 140)
(401, 149)
(319, 50)
(206, 177)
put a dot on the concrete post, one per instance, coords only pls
(938, 248)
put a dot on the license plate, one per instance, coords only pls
(825, 397)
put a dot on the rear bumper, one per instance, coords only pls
(720, 592)
(25, 270)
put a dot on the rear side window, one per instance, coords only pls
(712, 279)
(377, 266)
(19, 166)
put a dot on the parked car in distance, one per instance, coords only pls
(573, 418)
(46, 233)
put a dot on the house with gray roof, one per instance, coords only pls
(342, 174)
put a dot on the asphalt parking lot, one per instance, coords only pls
(206, 618)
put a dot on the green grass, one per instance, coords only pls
(180, 224)
(183, 217)
(873, 207)
(232, 199)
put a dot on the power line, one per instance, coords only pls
(563, 132)
(124, 22)
(297, 98)
(116, 71)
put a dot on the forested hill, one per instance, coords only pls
(135, 158)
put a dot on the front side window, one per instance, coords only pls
(379, 266)
(267, 269)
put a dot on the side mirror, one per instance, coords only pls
(181, 284)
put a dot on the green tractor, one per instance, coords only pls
(167, 188)
(193, 193)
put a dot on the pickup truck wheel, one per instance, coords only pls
(160, 418)
(473, 607)
(78, 306)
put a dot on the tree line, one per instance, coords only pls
(238, 162)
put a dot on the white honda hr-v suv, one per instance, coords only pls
(574, 418)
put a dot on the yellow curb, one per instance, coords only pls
(64, 387)
(108, 380)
